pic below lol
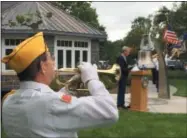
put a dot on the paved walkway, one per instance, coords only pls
(175, 104)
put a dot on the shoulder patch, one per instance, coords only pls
(66, 98)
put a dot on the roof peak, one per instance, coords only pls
(60, 20)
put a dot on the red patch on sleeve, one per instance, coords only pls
(66, 98)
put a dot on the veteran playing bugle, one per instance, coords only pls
(35, 110)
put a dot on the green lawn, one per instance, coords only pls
(138, 124)
(178, 79)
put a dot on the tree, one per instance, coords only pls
(176, 19)
(164, 91)
(141, 23)
(140, 26)
(179, 18)
(81, 10)
(111, 50)
(160, 19)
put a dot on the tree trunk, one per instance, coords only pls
(164, 91)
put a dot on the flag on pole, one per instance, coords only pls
(170, 36)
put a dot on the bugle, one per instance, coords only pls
(74, 84)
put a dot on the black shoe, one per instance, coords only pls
(123, 107)
(128, 106)
(120, 107)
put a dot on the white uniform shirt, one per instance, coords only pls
(36, 111)
(166, 59)
(156, 63)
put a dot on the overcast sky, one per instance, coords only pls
(117, 16)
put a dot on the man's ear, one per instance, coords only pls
(43, 67)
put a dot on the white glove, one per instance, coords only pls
(88, 72)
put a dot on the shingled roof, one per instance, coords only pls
(60, 22)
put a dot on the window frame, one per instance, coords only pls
(72, 49)
(5, 47)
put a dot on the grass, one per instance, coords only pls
(138, 124)
(178, 79)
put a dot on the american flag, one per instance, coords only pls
(170, 36)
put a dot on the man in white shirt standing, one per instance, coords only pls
(156, 63)
(36, 111)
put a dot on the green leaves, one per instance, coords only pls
(141, 23)
(82, 10)
(176, 17)
(140, 26)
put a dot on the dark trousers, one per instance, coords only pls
(121, 91)
(157, 79)
(154, 75)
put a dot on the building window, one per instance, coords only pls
(7, 52)
(85, 56)
(77, 57)
(68, 58)
(60, 58)
(81, 44)
(13, 42)
(71, 52)
(8, 46)
(62, 43)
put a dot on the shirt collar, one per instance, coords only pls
(125, 58)
(35, 85)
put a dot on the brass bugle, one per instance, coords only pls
(76, 70)
(115, 70)
(76, 78)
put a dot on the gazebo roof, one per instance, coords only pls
(60, 22)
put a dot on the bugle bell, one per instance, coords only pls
(75, 83)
